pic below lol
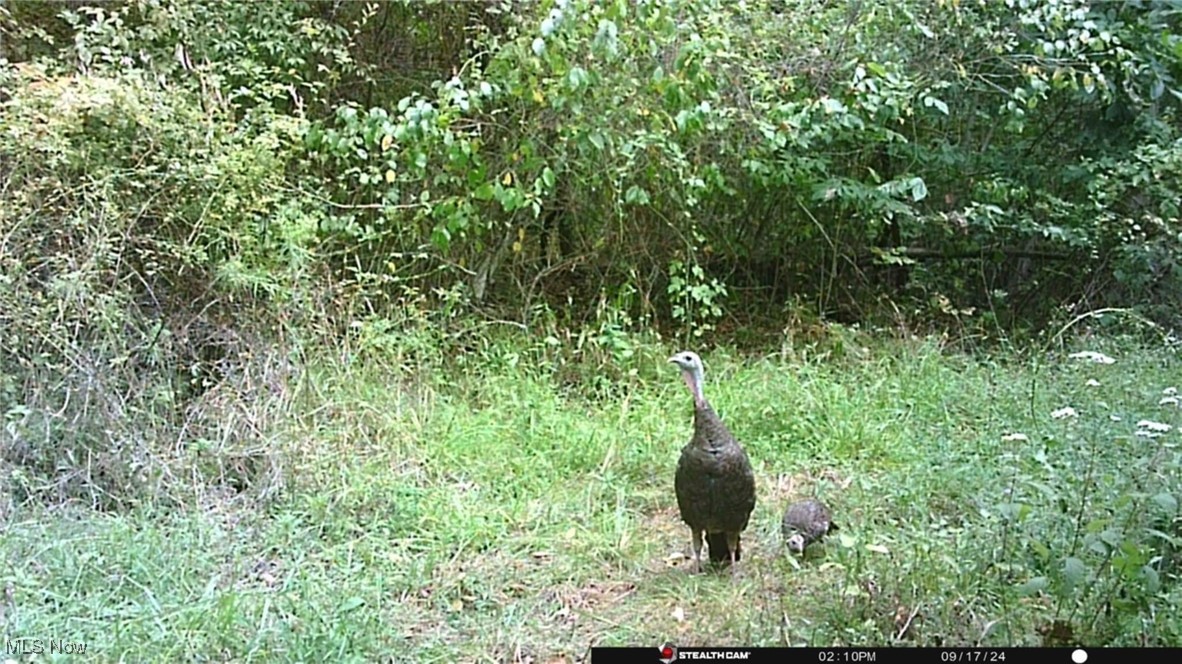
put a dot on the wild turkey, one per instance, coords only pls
(806, 522)
(714, 482)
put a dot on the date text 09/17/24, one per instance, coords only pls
(870, 656)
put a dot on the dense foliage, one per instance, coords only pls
(685, 162)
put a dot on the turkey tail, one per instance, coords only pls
(718, 551)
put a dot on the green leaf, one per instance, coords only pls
(1157, 89)
(1129, 557)
(1111, 537)
(577, 77)
(1013, 511)
(937, 103)
(832, 105)
(484, 192)
(636, 196)
(919, 190)
(1074, 571)
(1167, 502)
(548, 177)
(510, 198)
(1152, 579)
(606, 38)
(1037, 584)
(1165, 537)
(352, 604)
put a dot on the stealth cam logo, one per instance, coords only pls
(668, 653)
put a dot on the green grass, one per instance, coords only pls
(504, 517)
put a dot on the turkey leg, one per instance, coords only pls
(732, 547)
(697, 544)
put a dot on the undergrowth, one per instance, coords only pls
(511, 511)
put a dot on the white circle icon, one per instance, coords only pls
(1079, 656)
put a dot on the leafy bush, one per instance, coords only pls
(140, 233)
(616, 142)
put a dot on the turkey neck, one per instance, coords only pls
(709, 432)
(693, 380)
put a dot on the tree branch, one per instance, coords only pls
(924, 253)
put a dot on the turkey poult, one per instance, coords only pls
(714, 482)
(806, 522)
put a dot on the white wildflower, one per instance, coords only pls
(1092, 356)
(1169, 401)
(1092, 382)
(1169, 391)
(1065, 411)
(1154, 426)
(1114, 418)
(1009, 437)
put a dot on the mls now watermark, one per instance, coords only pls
(26, 646)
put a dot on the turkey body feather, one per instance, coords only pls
(714, 482)
(715, 485)
(806, 522)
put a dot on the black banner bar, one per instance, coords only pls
(668, 653)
